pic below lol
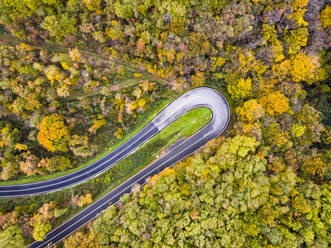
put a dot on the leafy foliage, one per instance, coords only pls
(77, 77)
(41, 230)
(325, 17)
(53, 134)
(240, 89)
(189, 205)
(12, 238)
(275, 103)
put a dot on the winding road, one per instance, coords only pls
(198, 97)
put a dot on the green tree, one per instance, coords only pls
(124, 8)
(53, 164)
(40, 230)
(59, 26)
(12, 238)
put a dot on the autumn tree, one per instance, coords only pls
(10, 135)
(41, 221)
(310, 118)
(29, 166)
(53, 134)
(80, 240)
(296, 39)
(100, 64)
(40, 230)
(59, 25)
(81, 200)
(9, 169)
(315, 165)
(53, 164)
(303, 68)
(241, 88)
(79, 146)
(12, 238)
(325, 17)
(250, 111)
(275, 103)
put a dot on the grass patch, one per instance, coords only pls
(186, 125)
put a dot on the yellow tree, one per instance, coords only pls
(80, 240)
(325, 17)
(315, 165)
(53, 133)
(240, 89)
(41, 230)
(250, 111)
(275, 103)
(303, 68)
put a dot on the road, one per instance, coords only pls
(198, 97)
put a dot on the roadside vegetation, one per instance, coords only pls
(78, 77)
(108, 145)
(64, 204)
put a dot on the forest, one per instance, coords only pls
(79, 77)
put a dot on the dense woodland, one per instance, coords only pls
(76, 77)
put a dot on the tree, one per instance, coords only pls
(81, 200)
(97, 123)
(59, 26)
(302, 68)
(40, 230)
(300, 204)
(325, 17)
(79, 146)
(84, 200)
(53, 134)
(93, 5)
(29, 166)
(314, 165)
(53, 164)
(311, 119)
(12, 238)
(240, 89)
(124, 8)
(10, 135)
(53, 73)
(114, 32)
(80, 240)
(9, 169)
(275, 103)
(198, 79)
(296, 39)
(250, 111)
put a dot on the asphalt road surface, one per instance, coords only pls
(198, 97)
